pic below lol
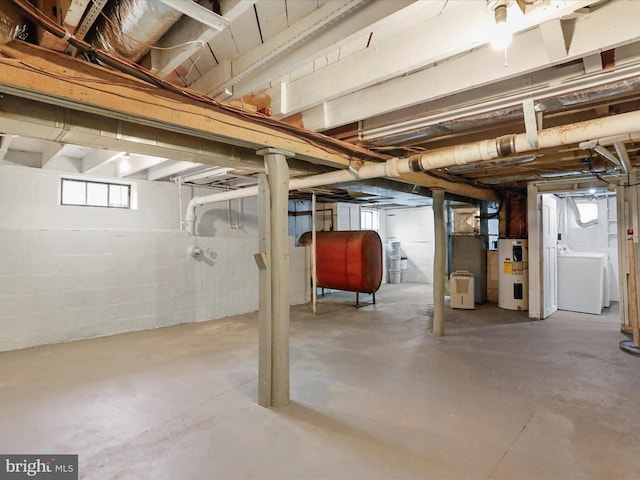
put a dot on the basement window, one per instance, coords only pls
(585, 212)
(588, 211)
(368, 219)
(95, 194)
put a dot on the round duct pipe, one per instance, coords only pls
(130, 27)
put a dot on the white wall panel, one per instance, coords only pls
(69, 273)
(413, 228)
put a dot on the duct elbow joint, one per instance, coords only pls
(190, 218)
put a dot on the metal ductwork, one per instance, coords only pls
(12, 25)
(422, 129)
(130, 27)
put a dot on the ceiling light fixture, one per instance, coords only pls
(501, 35)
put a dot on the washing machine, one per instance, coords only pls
(583, 282)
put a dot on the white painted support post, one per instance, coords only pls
(263, 259)
(439, 262)
(314, 268)
(633, 293)
(278, 180)
(536, 264)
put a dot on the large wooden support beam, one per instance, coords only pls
(29, 72)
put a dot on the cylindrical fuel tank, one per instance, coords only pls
(348, 260)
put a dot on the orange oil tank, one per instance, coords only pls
(348, 260)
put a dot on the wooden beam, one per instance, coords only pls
(97, 158)
(457, 188)
(31, 72)
(199, 13)
(5, 142)
(169, 169)
(187, 31)
(553, 38)
(28, 71)
(281, 42)
(51, 152)
(137, 163)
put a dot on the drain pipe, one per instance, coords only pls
(621, 160)
(485, 150)
(385, 169)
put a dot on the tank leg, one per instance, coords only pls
(323, 291)
(374, 298)
(357, 299)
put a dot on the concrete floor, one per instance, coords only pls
(375, 395)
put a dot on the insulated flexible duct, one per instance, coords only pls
(12, 25)
(129, 27)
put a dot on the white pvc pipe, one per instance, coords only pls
(619, 138)
(514, 144)
(484, 150)
(604, 151)
(385, 169)
(623, 155)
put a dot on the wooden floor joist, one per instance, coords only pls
(31, 72)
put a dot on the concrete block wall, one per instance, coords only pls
(69, 273)
(413, 228)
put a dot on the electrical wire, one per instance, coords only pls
(126, 66)
(599, 177)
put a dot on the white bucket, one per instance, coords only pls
(395, 264)
(394, 249)
(394, 276)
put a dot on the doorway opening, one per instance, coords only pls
(579, 249)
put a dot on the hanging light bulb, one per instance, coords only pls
(501, 37)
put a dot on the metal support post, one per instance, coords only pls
(274, 371)
(314, 267)
(263, 259)
(440, 262)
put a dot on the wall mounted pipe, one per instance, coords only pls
(484, 150)
(633, 136)
(604, 151)
(623, 155)
(386, 169)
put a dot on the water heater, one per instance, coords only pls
(513, 274)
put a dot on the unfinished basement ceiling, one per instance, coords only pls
(394, 76)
